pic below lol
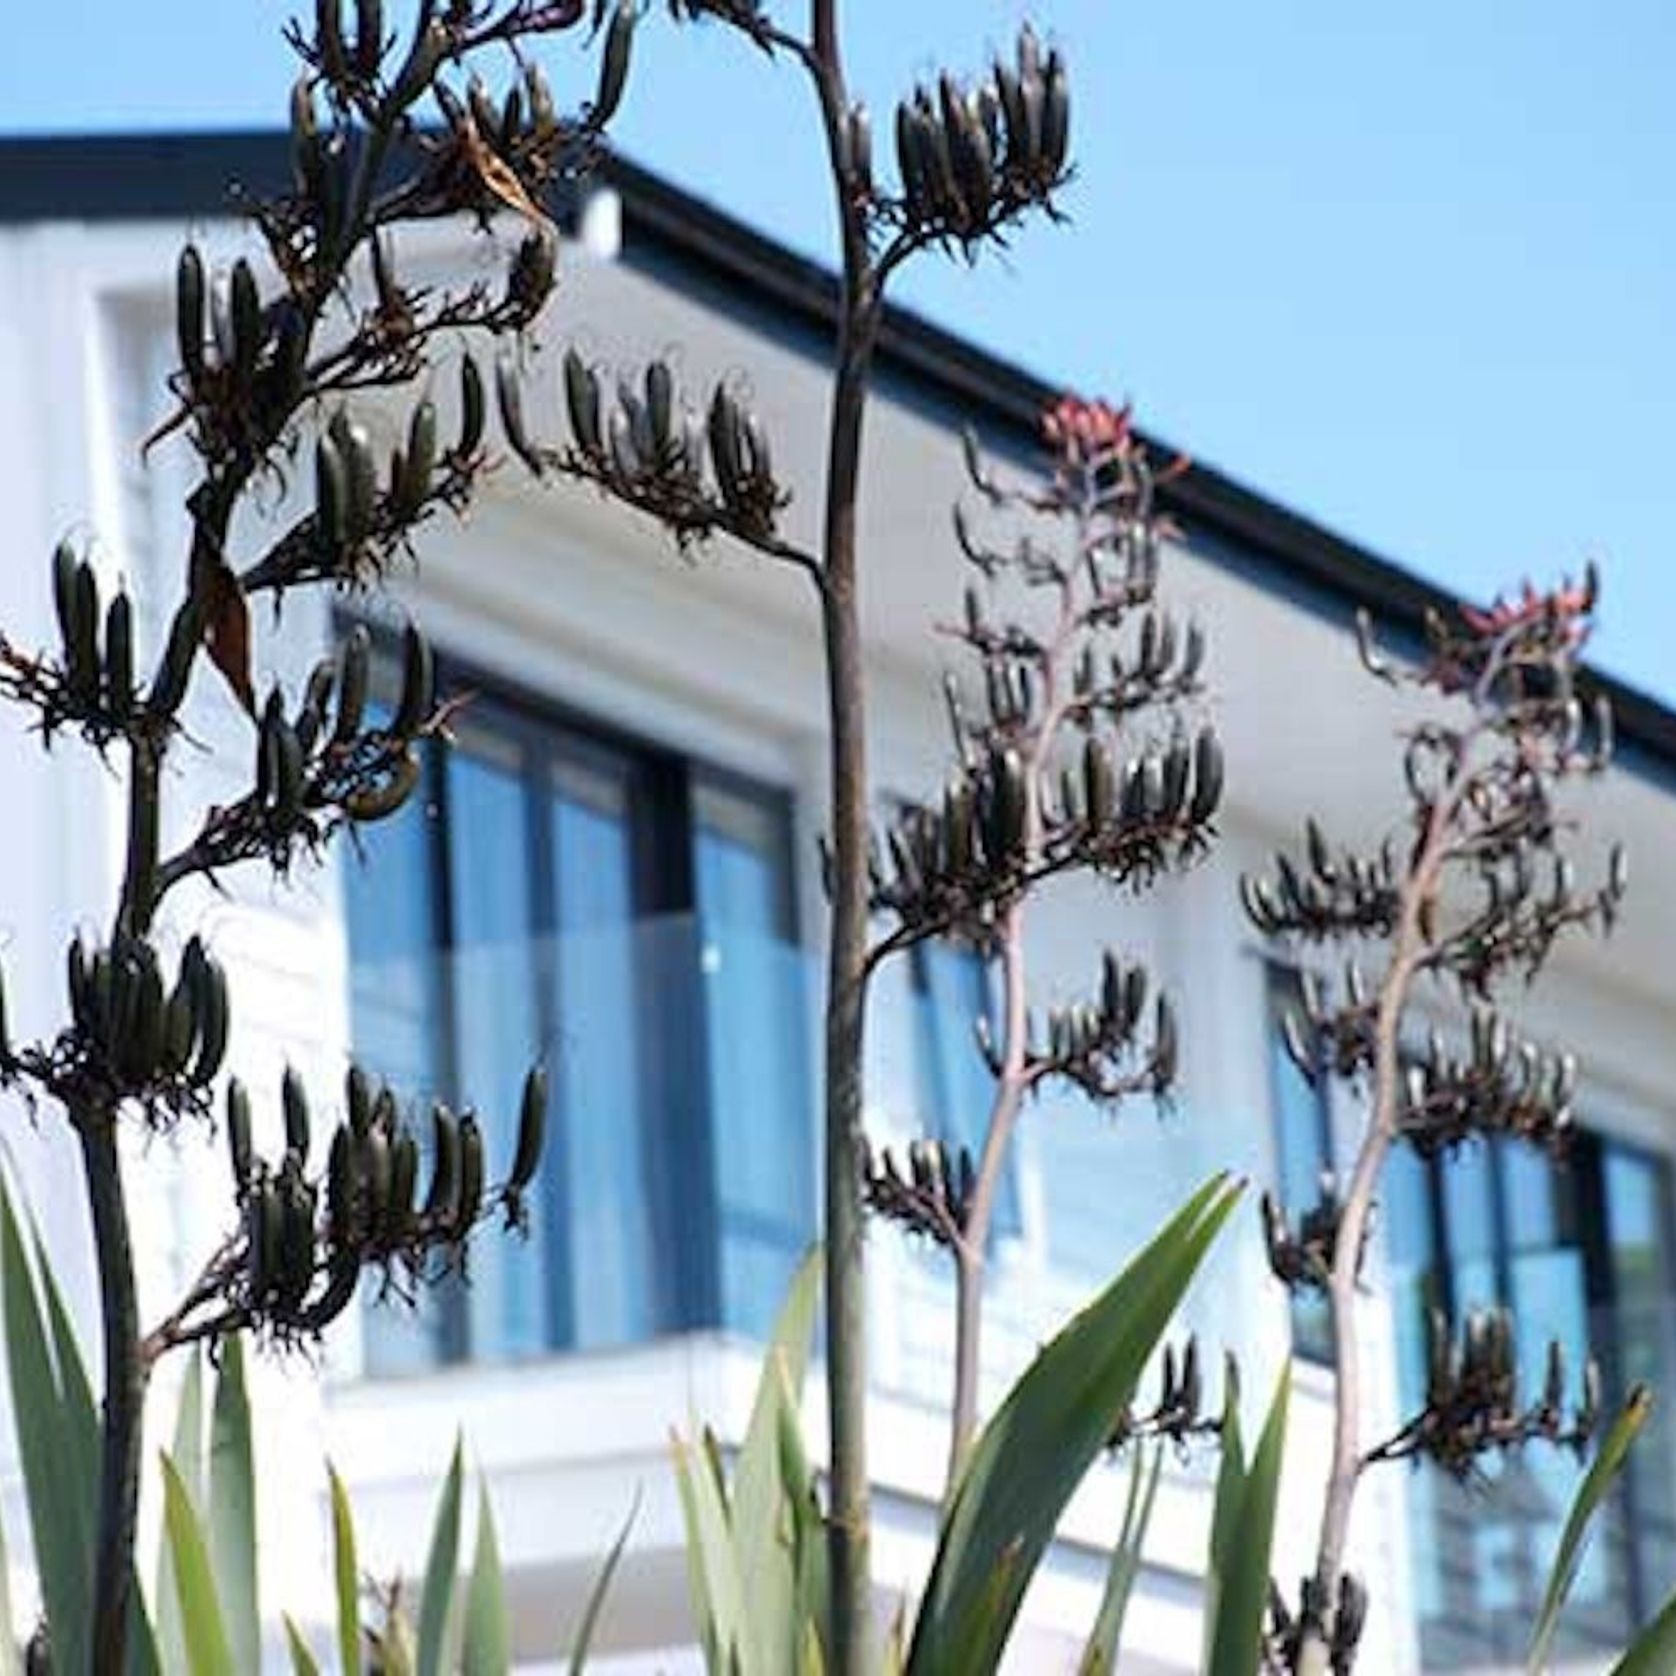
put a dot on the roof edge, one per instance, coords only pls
(151, 176)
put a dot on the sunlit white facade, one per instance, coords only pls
(617, 871)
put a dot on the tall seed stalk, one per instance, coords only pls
(971, 162)
(269, 361)
(1471, 894)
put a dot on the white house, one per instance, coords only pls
(617, 869)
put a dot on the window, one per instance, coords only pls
(627, 915)
(1581, 1253)
(954, 1090)
(1303, 1154)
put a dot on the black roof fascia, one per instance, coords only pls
(147, 176)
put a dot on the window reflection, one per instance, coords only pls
(625, 916)
(1579, 1253)
(1303, 1155)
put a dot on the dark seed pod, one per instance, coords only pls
(1208, 772)
(445, 1165)
(413, 481)
(352, 685)
(221, 323)
(1132, 792)
(532, 1124)
(328, 39)
(530, 282)
(539, 96)
(511, 118)
(288, 775)
(428, 52)
(119, 657)
(1605, 733)
(263, 1216)
(294, 1102)
(316, 700)
(189, 313)
(935, 142)
(101, 980)
(342, 1276)
(1011, 801)
(581, 388)
(213, 1020)
(1192, 657)
(418, 685)
(168, 689)
(404, 1172)
(483, 113)
(267, 750)
(638, 423)
(510, 397)
(369, 37)
(859, 133)
(1134, 997)
(1014, 118)
(1056, 117)
(469, 1199)
(968, 148)
(912, 165)
(723, 430)
(296, 1243)
(614, 64)
(239, 1153)
(245, 306)
(1165, 1046)
(373, 1157)
(1099, 783)
(1174, 773)
(1298, 1050)
(1349, 1621)
(64, 598)
(340, 1186)
(82, 650)
(1320, 856)
(357, 1099)
(360, 475)
(377, 802)
(660, 408)
(331, 490)
(145, 1030)
(625, 457)
(179, 1029)
(1553, 1386)
(472, 412)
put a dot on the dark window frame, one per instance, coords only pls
(1281, 981)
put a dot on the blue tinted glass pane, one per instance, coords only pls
(599, 1088)
(1406, 1217)
(955, 1088)
(1531, 1193)
(755, 1021)
(1469, 1211)
(1301, 1157)
(1637, 1212)
(496, 1019)
(396, 1014)
(1549, 1297)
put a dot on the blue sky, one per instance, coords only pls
(1411, 270)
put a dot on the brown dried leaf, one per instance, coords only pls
(497, 175)
(227, 632)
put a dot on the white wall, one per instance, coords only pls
(718, 658)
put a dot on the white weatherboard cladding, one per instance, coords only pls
(574, 599)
